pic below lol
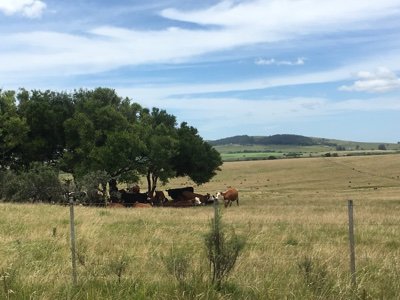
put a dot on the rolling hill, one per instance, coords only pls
(244, 147)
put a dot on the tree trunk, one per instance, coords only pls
(151, 183)
(154, 181)
(149, 186)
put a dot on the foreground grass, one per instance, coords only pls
(293, 213)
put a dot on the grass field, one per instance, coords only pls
(258, 152)
(293, 213)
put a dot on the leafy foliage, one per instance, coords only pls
(40, 183)
(196, 158)
(45, 113)
(161, 141)
(91, 131)
(13, 129)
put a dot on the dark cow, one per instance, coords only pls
(158, 198)
(128, 199)
(229, 196)
(176, 194)
(134, 189)
(181, 203)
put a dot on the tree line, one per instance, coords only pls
(88, 131)
(277, 139)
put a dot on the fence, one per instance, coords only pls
(351, 240)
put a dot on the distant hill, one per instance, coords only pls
(244, 147)
(277, 139)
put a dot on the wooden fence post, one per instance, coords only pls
(73, 244)
(352, 250)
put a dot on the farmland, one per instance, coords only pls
(293, 214)
(235, 152)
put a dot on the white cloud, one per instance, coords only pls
(213, 115)
(105, 48)
(28, 8)
(287, 16)
(272, 61)
(380, 81)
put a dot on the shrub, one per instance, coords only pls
(40, 183)
(222, 251)
(382, 147)
(91, 183)
(119, 265)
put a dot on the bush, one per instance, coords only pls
(222, 251)
(91, 184)
(382, 147)
(40, 183)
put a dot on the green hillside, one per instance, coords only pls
(246, 147)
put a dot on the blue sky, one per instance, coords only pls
(258, 67)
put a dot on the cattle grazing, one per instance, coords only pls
(128, 199)
(197, 201)
(134, 189)
(176, 194)
(204, 199)
(158, 198)
(229, 196)
(210, 199)
(180, 203)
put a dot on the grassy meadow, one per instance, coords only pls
(293, 214)
(233, 152)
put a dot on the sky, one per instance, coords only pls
(317, 68)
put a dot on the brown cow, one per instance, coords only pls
(134, 189)
(158, 198)
(187, 195)
(229, 196)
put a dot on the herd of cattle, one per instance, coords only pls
(181, 197)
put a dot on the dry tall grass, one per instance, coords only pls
(293, 213)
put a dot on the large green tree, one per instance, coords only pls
(45, 113)
(112, 134)
(103, 134)
(195, 158)
(13, 130)
(91, 131)
(161, 145)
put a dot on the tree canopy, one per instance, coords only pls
(96, 130)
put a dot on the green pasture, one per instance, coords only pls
(292, 213)
(259, 152)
